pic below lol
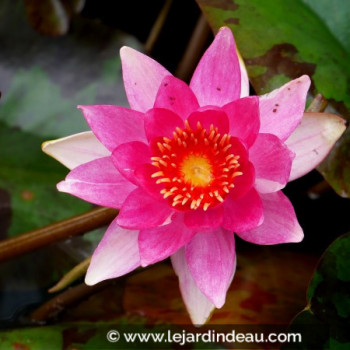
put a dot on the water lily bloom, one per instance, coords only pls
(190, 165)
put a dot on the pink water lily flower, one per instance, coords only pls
(189, 166)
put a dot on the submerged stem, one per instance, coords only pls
(59, 231)
(318, 104)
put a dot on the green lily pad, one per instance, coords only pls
(43, 79)
(283, 39)
(328, 300)
(336, 167)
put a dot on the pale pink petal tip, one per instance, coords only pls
(142, 77)
(75, 150)
(199, 307)
(312, 141)
(116, 255)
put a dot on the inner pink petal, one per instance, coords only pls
(244, 213)
(128, 157)
(244, 118)
(160, 122)
(140, 211)
(200, 219)
(160, 242)
(209, 117)
(176, 96)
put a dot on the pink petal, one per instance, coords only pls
(114, 125)
(143, 176)
(160, 122)
(244, 119)
(217, 78)
(160, 242)
(116, 255)
(209, 117)
(98, 182)
(75, 150)
(244, 213)
(201, 220)
(272, 162)
(280, 223)
(129, 156)
(198, 305)
(245, 182)
(211, 261)
(141, 211)
(312, 140)
(281, 110)
(176, 96)
(142, 78)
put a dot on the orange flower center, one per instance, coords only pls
(197, 167)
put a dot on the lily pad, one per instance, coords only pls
(328, 299)
(43, 79)
(283, 39)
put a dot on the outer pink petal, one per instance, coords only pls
(158, 243)
(98, 182)
(114, 125)
(312, 140)
(160, 122)
(244, 119)
(75, 150)
(141, 211)
(243, 214)
(211, 261)
(116, 255)
(198, 305)
(280, 223)
(176, 96)
(272, 162)
(128, 157)
(142, 77)
(281, 110)
(200, 219)
(209, 117)
(217, 78)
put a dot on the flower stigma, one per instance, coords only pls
(196, 167)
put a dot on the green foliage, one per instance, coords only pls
(328, 300)
(283, 39)
(43, 80)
